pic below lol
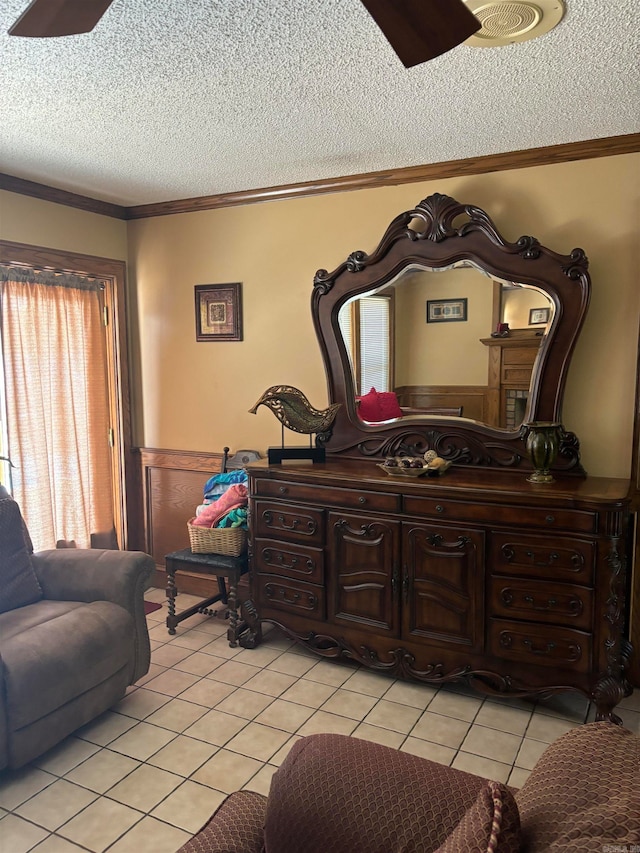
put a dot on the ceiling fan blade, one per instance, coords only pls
(419, 30)
(48, 18)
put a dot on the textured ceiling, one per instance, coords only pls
(172, 99)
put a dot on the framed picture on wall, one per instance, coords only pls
(218, 312)
(538, 316)
(446, 310)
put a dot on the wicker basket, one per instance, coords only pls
(217, 540)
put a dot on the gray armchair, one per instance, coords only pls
(73, 636)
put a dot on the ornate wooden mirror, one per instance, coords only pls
(434, 298)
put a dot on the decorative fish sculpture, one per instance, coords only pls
(294, 411)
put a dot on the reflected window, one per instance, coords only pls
(367, 328)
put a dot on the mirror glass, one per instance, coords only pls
(444, 341)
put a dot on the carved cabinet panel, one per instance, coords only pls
(443, 584)
(364, 555)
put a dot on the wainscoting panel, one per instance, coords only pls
(172, 488)
(472, 398)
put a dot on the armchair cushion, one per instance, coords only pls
(18, 581)
(64, 650)
(63, 664)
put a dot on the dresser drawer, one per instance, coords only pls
(354, 498)
(289, 560)
(519, 516)
(541, 601)
(278, 521)
(542, 557)
(540, 645)
(291, 596)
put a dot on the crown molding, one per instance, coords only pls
(591, 148)
(57, 196)
(586, 150)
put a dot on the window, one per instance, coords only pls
(367, 328)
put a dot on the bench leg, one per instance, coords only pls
(222, 588)
(171, 593)
(232, 631)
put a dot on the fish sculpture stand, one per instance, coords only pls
(295, 412)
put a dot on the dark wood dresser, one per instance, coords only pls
(511, 569)
(475, 574)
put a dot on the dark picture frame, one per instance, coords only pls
(539, 316)
(446, 310)
(218, 312)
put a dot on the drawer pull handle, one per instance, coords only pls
(394, 583)
(545, 560)
(534, 651)
(406, 585)
(549, 519)
(362, 500)
(310, 527)
(283, 490)
(298, 599)
(292, 526)
(551, 602)
(439, 508)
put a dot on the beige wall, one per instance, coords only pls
(195, 396)
(443, 353)
(517, 304)
(42, 223)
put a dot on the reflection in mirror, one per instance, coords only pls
(445, 342)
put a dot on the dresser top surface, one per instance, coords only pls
(458, 483)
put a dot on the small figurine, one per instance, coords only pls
(502, 331)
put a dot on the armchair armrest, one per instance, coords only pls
(70, 574)
(121, 577)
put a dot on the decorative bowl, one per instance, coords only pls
(403, 472)
(399, 470)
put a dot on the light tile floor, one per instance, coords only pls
(208, 720)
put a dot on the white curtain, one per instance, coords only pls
(56, 391)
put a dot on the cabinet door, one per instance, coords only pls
(443, 584)
(363, 574)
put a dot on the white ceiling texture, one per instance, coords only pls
(174, 99)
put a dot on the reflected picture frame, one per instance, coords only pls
(218, 312)
(539, 316)
(446, 310)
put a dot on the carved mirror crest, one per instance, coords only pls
(464, 336)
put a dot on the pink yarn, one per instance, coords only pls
(234, 497)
